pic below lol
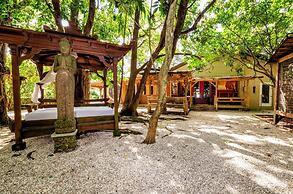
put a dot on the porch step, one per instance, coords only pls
(230, 106)
(202, 107)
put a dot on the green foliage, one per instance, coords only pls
(242, 32)
(29, 14)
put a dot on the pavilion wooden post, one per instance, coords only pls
(86, 84)
(115, 82)
(19, 144)
(190, 94)
(105, 85)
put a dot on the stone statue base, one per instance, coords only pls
(65, 126)
(64, 142)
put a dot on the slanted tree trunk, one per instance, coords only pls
(182, 11)
(3, 71)
(126, 110)
(91, 18)
(74, 13)
(163, 75)
(132, 106)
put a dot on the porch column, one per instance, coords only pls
(19, 144)
(246, 97)
(216, 96)
(201, 89)
(116, 130)
(277, 118)
(190, 94)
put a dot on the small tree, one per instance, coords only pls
(132, 99)
(163, 74)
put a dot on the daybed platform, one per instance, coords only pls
(41, 121)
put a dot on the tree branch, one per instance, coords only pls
(199, 17)
(181, 15)
(184, 54)
(50, 7)
(191, 4)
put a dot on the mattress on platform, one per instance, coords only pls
(51, 113)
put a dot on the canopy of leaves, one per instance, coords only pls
(241, 29)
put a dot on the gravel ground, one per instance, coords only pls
(209, 152)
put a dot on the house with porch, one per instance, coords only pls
(217, 85)
(223, 87)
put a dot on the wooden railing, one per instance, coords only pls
(50, 103)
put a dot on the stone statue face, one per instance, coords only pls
(64, 46)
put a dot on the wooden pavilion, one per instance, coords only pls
(283, 57)
(41, 47)
(178, 82)
(177, 90)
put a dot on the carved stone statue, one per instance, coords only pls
(65, 126)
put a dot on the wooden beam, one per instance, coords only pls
(195, 82)
(50, 40)
(19, 144)
(212, 83)
(285, 58)
(106, 63)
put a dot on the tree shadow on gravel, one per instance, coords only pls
(254, 150)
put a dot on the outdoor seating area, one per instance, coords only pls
(42, 121)
(180, 103)
(41, 47)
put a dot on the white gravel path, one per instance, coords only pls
(210, 152)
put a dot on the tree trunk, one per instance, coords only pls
(163, 75)
(133, 72)
(135, 101)
(91, 18)
(182, 11)
(3, 71)
(57, 15)
(74, 13)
